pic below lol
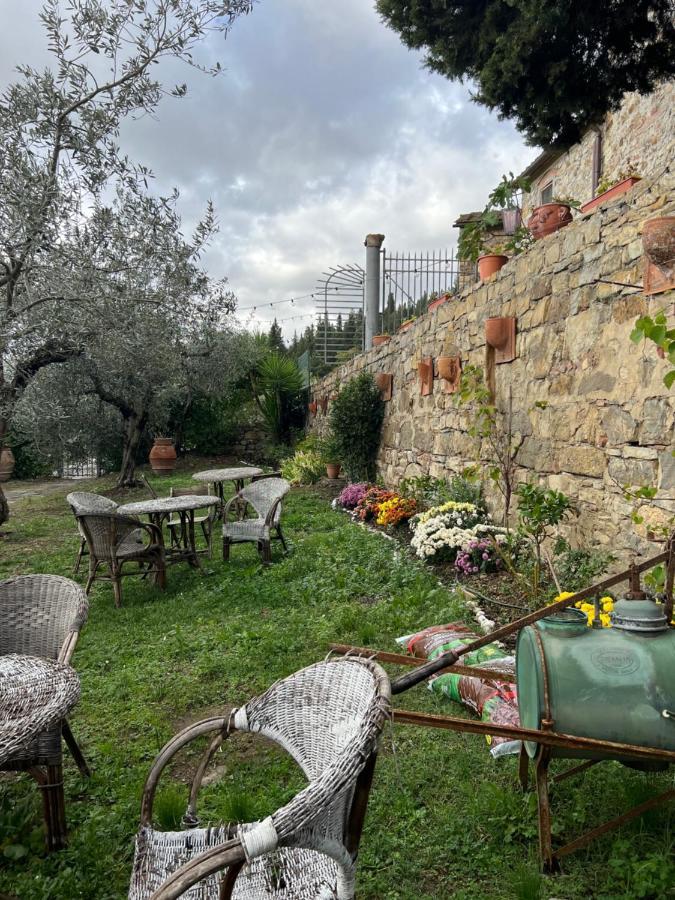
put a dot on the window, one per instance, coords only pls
(547, 193)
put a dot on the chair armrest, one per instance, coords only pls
(231, 502)
(207, 863)
(153, 530)
(269, 518)
(169, 750)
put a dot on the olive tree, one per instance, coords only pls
(58, 151)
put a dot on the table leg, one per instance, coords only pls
(191, 546)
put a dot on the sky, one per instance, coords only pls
(322, 128)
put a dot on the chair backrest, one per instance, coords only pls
(38, 612)
(200, 490)
(104, 533)
(265, 494)
(87, 502)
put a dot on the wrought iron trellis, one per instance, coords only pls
(410, 279)
(339, 298)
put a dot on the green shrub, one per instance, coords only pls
(211, 425)
(305, 467)
(356, 422)
(28, 462)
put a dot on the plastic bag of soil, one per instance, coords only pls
(493, 700)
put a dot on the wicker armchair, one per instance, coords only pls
(115, 540)
(205, 521)
(82, 502)
(42, 616)
(328, 717)
(264, 496)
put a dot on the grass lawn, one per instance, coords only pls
(445, 820)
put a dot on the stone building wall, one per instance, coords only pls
(639, 135)
(590, 406)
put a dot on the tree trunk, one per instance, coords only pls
(134, 426)
(4, 506)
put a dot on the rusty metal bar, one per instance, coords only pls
(576, 769)
(410, 679)
(545, 738)
(633, 813)
(400, 659)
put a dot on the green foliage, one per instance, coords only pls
(278, 391)
(275, 338)
(428, 492)
(28, 462)
(304, 467)
(540, 508)
(657, 331)
(474, 235)
(330, 448)
(356, 421)
(509, 191)
(531, 62)
(211, 424)
(576, 569)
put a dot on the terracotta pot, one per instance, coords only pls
(439, 301)
(549, 218)
(312, 407)
(615, 191)
(163, 456)
(404, 326)
(323, 403)
(333, 470)
(511, 219)
(7, 463)
(379, 339)
(658, 240)
(385, 383)
(490, 263)
(500, 334)
(450, 370)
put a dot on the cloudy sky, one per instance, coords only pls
(323, 127)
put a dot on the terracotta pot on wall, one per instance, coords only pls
(312, 407)
(379, 339)
(7, 463)
(658, 240)
(450, 371)
(404, 326)
(439, 301)
(333, 470)
(549, 218)
(615, 191)
(163, 456)
(490, 263)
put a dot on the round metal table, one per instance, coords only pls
(218, 477)
(35, 694)
(161, 508)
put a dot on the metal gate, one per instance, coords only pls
(339, 311)
(411, 280)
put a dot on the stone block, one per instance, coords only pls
(583, 461)
(666, 470)
(619, 426)
(632, 471)
(656, 425)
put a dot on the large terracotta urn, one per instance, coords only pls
(163, 456)
(7, 463)
(549, 218)
(658, 240)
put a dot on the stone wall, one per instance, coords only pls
(590, 406)
(640, 134)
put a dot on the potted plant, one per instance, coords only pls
(331, 455)
(490, 263)
(609, 188)
(551, 217)
(405, 325)
(507, 197)
(436, 300)
(379, 339)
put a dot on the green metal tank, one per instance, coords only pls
(615, 684)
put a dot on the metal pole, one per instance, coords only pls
(373, 243)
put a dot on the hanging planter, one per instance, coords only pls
(549, 218)
(385, 383)
(658, 242)
(426, 373)
(379, 339)
(7, 463)
(163, 456)
(312, 407)
(489, 264)
(450, 371)
(500, 334)
(615, 191)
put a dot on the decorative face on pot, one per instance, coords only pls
(549, 218)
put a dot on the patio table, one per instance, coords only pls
(35, 694)
(218, 477)
(162, 508)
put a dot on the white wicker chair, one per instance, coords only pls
(82, 502)
(264, 496)
(328, 717)
(41, 615)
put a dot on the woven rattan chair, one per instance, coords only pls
(264, 496)
(82, 502)
(41, 615)
(206, 521)
(328, 717)
(116, 540)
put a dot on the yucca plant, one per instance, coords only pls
(277, 385)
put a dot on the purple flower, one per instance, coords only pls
(352, 494)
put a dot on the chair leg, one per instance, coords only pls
(74, 748)
(266, 551)
(116, 578)
(50, 780)
(208, 536)
(282, 539)
(226, 549)
(93, 567)
(83, 544)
